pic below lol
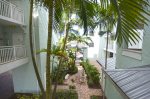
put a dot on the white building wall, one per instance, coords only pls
(93, 52)
(24, 78)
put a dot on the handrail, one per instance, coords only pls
(11, 53)
(11, 11)
(12, 46)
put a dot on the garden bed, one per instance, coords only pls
(61, 94)
(96, 97)
(93, 75)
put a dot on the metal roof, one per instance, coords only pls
(135, 83)
(111, 62)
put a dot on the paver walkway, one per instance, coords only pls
(84, 92)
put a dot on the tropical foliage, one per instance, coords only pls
(127, 13)
(93, 75)
(130, 14)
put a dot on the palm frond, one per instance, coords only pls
(131, 13)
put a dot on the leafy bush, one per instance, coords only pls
(96, 97)
(72, 69)
(61, 75)
(66, 94)
(60, 94)
(72, 87)
(26, 96)
(90, 82)
(93, 76)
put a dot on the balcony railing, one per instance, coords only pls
(10, 10)
(11, 53)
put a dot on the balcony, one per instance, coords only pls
(10, 12)
(11, 53)
(12, 57)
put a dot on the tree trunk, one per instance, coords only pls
(32, 52)
(60, 62)
(48, 56)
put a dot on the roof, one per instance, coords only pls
(111, 62)
(135, 83)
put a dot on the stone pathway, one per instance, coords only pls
(81, 85)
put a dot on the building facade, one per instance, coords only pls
(130, 78)
(16, 69)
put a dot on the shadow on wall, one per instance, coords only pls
(6, 85)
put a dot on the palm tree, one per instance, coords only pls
(70, 7)
(129, 14)
(79, 40)
(32, 52)
(49, 4)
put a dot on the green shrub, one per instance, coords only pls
(66, 94)
(93, 76)
(72, 69)
(96, 97)
(26, 96)
(61, 75)
(60, 94)
(72, 87)
(90, 82)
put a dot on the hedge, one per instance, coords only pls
(93, 75)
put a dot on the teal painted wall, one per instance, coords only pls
(125, 61)
(111, 91)
(128, 62)
(24, 79)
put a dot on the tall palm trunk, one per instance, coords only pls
(49, 46)
(32, 51)
(60, 62)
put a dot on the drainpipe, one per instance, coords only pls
(104, 78)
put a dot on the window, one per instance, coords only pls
(138, 45)
(134, 50)
(91, 44)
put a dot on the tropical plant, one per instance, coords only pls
(93, 75)
(49, 4)
(79, 39)
(130, 14)
(70, 8)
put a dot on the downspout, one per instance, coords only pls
(104, 78)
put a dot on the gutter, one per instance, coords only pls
(116, 86)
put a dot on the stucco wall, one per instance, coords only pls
(43, 30)
(128, 62)
(102, 45)
(93, 52)
(24, 78)
(111, 91)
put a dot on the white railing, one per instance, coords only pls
(11, 53)
(10, 10)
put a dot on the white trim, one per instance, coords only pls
(12, 65)
(110, 50)
(132, 53)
